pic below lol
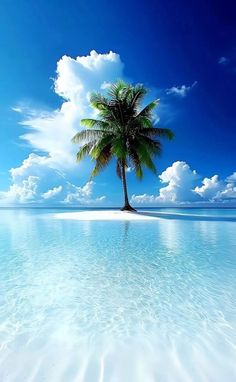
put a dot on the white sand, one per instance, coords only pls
(104, 215)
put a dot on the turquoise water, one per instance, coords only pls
(138, 301)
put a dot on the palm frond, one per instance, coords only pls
(119, 148)
(153, 146)
(98, 101)
(147, 110)
(85, 150)
(136, 163)
(141, 122)
(117, 91)
(136, 95)
(102, 161)
(87, 135)
(102, 145)
(144, 154)
(157, 132)
(139, 172)
(91, 123)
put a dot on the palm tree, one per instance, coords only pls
(122, 130)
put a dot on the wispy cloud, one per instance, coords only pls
(223, 60)
(17, 109)
(181, 91)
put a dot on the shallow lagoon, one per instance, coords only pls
(130, 301)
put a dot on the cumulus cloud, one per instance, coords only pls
(82, 194)
(181, 187)
(50, 132)
(179, 179)
(34, 163)
(227, 193)
(181, 91)
(51, 193)
(22, 192)
(214, 189)
(35, 181)
(210, 187)
(231, 178)
(76, 78)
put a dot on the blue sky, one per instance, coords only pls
(183, 51)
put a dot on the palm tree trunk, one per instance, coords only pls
(127, 206)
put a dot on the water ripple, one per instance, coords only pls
(117, 301)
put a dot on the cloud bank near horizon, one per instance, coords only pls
(181, 186)
(47, 185)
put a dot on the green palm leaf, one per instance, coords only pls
(87, 135)
(91, 123)
(144, 154)
(117, 91)
(85, 150)
(158, 132)
(148, 110)
(102, 161)
(136, 163)
(101, 145)
(98, 101)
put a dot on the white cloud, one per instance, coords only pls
(22, 192)
(210, 187)
(105, 85)
(223, 60)
(181, 187)
(231, 178)
(34, 163)
(180, 179)
(214, 189)
(82, 195)
(78, 77)
(50, 132)
(51, 193)
(35, 181)
(228, 193)
(181, 91)
(17, 109)
(144, 199)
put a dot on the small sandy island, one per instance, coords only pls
(104, 215)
